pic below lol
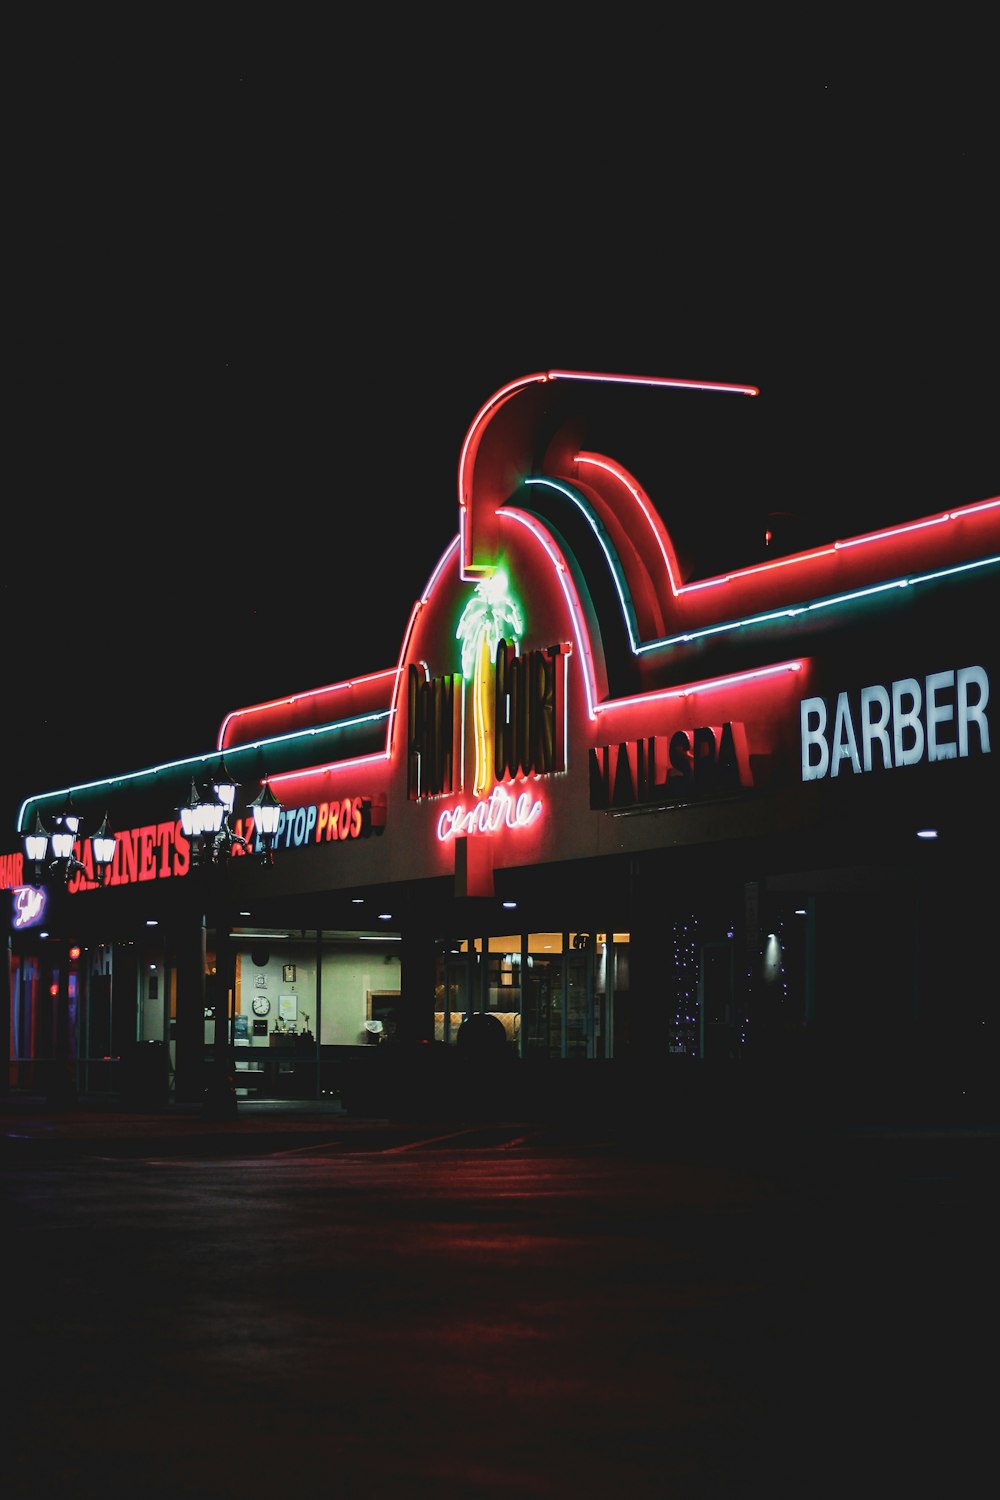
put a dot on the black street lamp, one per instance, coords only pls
(57, 847)
(266, 813)
(53, 852)
(206, 821)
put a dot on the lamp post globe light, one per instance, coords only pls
(55, 849)
(206, 821)
(266, 814)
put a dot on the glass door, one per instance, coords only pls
(578, 1039)
(541, 995)
(557, 991)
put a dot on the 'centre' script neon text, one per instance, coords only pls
(499, 809)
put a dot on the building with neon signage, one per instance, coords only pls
(642, 815)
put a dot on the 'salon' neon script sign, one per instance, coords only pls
(29, 906)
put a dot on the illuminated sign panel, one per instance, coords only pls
(330, 822)
(942, 717)
(29, 906)
(527, 722)
(434, 734)
(501, 809)
(528, 712)
(160, 850)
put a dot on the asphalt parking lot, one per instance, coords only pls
(468, 1309)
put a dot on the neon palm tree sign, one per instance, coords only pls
(490, 616)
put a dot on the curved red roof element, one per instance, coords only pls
(507, 440)
(525, 435)
(357, 699)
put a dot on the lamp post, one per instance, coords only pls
(205, 820)
(53, 852)
(55, 848)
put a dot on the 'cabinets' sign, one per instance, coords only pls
(941, 717)
(700, 762)
(160, 850)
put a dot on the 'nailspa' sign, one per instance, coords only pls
(707, 761)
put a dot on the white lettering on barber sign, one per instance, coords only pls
(941, 717)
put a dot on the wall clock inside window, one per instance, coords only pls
(261, 1005)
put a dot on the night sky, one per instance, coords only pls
(251, 325)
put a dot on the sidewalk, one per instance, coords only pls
(34, 1117)
(31, 1117)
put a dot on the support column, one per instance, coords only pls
(189, 1036)
(62, 1092)
(220, 1095)
(417, 973)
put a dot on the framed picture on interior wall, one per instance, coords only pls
(382, 1005)
(287, 1007)
(288, 974)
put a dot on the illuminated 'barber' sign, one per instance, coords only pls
(938, 717)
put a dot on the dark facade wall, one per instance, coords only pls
(865, 979)
(958, 966)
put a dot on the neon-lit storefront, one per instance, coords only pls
(636, 813)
